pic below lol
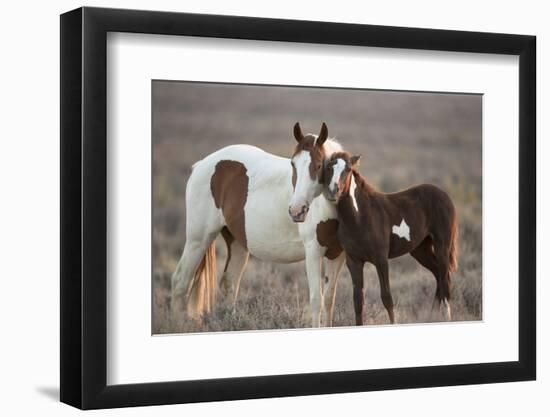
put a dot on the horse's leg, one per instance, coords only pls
(225, 285)
(334, 267)
(313, 270)
(234, 270)
(385, 293)
(356, 272)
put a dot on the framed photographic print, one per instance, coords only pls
(257, 208)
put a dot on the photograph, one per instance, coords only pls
(286, 207)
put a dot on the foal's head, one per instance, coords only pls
(307, 171)
(338, 173)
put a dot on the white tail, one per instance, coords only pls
(202, 291)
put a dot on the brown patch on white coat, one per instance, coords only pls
(229, 185)
(327, 236)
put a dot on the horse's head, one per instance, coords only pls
(338, 173)
(307, 171)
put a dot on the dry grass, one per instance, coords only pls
(405, 139)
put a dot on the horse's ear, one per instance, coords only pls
(323, 135)
(298, 132)
(354, 160)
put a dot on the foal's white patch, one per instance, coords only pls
(352, 188)
(402, 230)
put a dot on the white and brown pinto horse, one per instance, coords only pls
(375, 226)
(243, 193)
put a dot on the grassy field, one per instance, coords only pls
(404, 139)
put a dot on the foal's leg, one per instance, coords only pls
(425, 256)
(356, 272)
(443, 292)
(334, 267)
(385, 293)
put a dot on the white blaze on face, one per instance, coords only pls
(337, 170)
(305, 188)
(352, 188)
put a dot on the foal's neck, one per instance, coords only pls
(365, 188)
(359, 190)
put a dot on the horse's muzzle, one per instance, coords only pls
(298, 215)
(333, 194)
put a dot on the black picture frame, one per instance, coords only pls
(84, 207)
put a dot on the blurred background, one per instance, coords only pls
(405, 138)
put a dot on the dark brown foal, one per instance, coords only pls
(375, 227)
